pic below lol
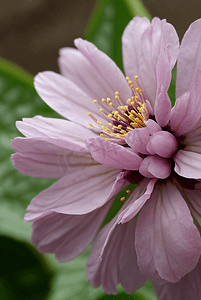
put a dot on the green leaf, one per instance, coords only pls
(138, 9)
(108, 21)
(106, 27)
(22, 274)
(171, 90)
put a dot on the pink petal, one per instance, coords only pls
(162, 108)
(168, 244)
(143, 43)
(189, 58)
(108, 78)
(65, 97)
(188, 164)
(154, 166)
(117, 263)
(42, 157)
(39, 126)
(86, 70)
(153, 126)
(163, 143)
(113, 155)
(79, 192)
(138, 198)
(193, 198)
(138, 138)
(163, 70)
(189, 287)
(67, 235)
(187, 110)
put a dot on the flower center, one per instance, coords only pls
(120, 118)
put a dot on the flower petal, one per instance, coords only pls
(162, 107)
(154, 166)
(138, 198)
(117, 263)
(47, 158)
(77, 193)
(88, 70)
(187, 110)
(108, 78)
(65, 97)
(168, 244)
(163, 143)
(163, 70)
(138, 139)
(189, 58)
(193, 198)
(142, 44)
(67, 235)
(39, 126)
(112, 154)
(188, 163)
(189, 287)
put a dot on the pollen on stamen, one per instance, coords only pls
(128, 192)
(91, 125)
(122, 118)
(123, 199)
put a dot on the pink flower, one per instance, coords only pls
(133, 137)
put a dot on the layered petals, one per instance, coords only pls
(94, 65)
(193, 198)
(65, 97)
(113, 155)
(49, 158)
(39, 126)
(168, 244)
(162, 107)
(136, 201)
(143, 43)
(139, 138)
(154, 166)
(189, 58)
(67, 235)
(112, 259)
(188, 163)
(163, 143)
(109, 78)
(187, 110)
(79, 192)
(189, 287)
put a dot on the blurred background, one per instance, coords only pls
(31, 34)
(32, 31)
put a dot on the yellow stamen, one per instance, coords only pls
(91, 125)
(128, 192)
